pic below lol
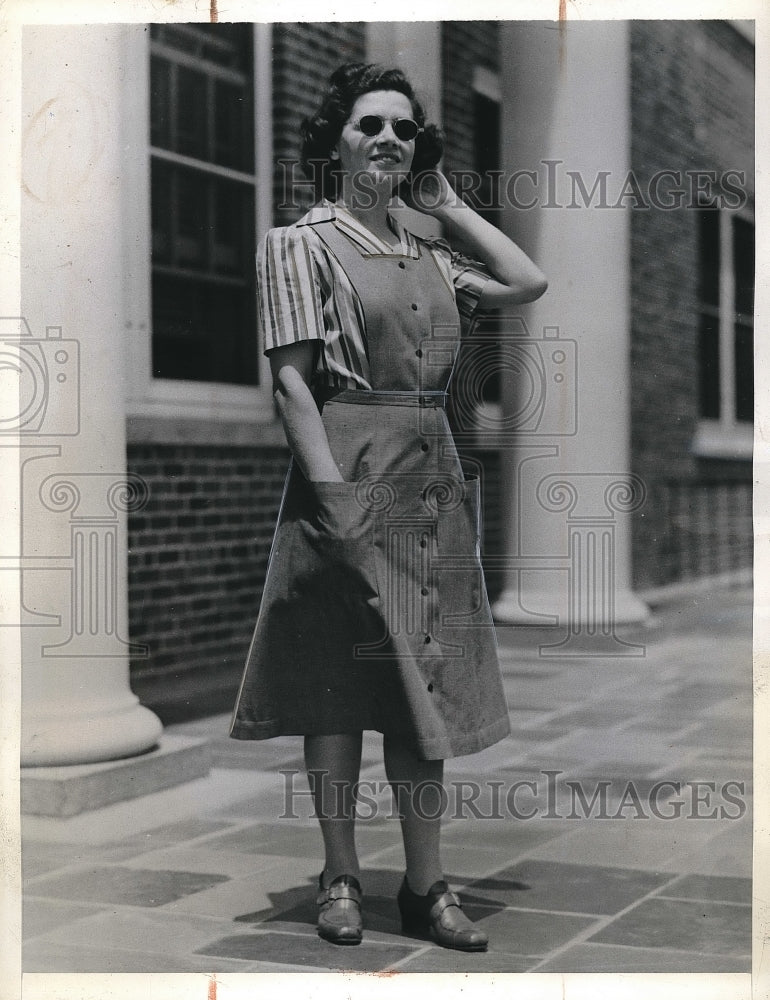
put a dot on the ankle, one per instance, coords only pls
(330, 873)
(420, 884)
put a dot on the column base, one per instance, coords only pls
(88, 737)
(67, 791)
(548, 609)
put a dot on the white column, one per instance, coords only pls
(415, 48)
(566, 467)
(77, 705)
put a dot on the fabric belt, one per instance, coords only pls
(428, 400)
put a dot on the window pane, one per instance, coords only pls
(179, 36)
(160, 103)
(708, 367)
(190, 210)
(744, 372)
(191, 114)
(162, 235)
(233, 227)
(203, 331)
(743, 264)
(233, 129)
(487, 133)
(226, 44)
(486, 156)
(708, 257)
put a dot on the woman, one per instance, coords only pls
(374, 614)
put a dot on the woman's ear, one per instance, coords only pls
(334, 153)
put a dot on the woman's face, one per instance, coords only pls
(384, 158)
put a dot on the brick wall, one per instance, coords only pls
(705, 529)
(464, 45)
(304, 56)
(691, 109)
(197, 557)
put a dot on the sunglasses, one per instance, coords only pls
(403, 128)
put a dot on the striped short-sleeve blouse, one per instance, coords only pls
(304, 294)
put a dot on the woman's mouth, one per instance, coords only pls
(385, 159)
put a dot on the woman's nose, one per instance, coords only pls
(387, 134)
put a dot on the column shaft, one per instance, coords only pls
(77, 705)
(566, 116)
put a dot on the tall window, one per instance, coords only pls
(203, 203)
(726, 328)
(486, 154)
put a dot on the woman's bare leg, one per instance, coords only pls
(333, 765)
(418, 787)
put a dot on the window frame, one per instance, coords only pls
(178, 399)
(726, 437)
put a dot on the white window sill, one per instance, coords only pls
(187, 431)
(715, 440)
(181, 412)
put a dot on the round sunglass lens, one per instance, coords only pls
(371, 125)
(405, 129)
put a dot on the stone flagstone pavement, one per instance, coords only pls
(611, 832)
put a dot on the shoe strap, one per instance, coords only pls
(444, 901)
(343, 887)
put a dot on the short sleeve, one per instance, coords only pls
(288, 289)
(467, 277)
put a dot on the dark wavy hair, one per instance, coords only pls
(321, 132)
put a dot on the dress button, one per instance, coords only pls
(418, 352)
(425, 446)
(424, 591)
(430, 687)
(423, 544)
(427, 639)
(414, 306)
(401, 264)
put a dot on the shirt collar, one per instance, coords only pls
(367, 243)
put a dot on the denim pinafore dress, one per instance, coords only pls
(374, 613)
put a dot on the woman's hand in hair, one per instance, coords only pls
(429, 192)
(515, 278)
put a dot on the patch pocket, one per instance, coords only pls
(459, 518)
(340, 513)
(337, 554)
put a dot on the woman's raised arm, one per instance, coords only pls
(515, 278)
